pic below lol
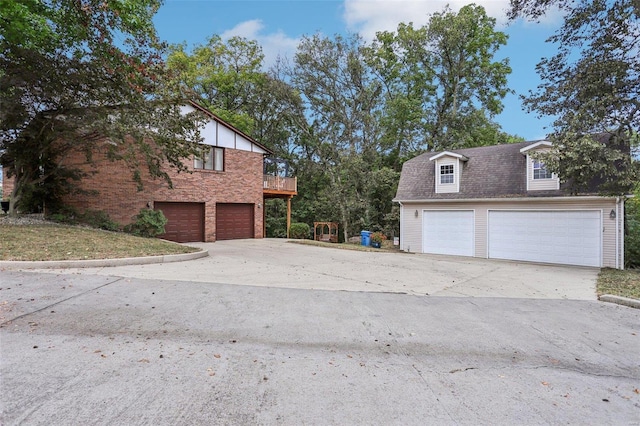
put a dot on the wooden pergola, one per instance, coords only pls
(328, 232)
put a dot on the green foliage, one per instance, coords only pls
(227, 76)
(94, 218)
(373, 107)
(378, 237)
(582, 160)
(99, 219)
(442, 83)
(276, 218)
(632, 231)
(65, 214)
(299, 231)
(591, 86)
(83, 72)
(344, 101)
(148, 223)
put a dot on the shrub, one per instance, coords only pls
(632, 233)
(378, 237)
(65, 214)
(299, 230)
(148, 223)
(94, 218)
(99, 219)
(276, 227)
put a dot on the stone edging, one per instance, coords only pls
(632, 303)
(99, 263)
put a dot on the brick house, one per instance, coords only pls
(221, 199)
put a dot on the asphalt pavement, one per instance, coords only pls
(89, 347)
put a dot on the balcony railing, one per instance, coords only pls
(280, 184)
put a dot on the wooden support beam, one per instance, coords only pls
(288, 215)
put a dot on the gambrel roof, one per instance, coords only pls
(497, 171)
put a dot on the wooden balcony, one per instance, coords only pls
(279, 187)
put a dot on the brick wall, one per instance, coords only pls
(114, 191)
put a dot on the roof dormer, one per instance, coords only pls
(538, 177)
(448, 171)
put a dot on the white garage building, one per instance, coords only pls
(498, 202)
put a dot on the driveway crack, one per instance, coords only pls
(59, 302)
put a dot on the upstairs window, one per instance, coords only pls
(446, 173)
(539, 171)
(212, 159)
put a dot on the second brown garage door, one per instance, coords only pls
(234, 221)
(185, 221)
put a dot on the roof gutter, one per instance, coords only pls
(503, 200)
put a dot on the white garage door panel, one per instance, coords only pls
(568, 237)
(448, 232)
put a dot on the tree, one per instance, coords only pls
(343, 102)
(222, 75)
(75, 73)
(591, 85)
(227, 76)
(632, 230)
(442, 84)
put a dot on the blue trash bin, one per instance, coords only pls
(365, 238)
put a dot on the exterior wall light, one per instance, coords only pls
(416, 213)
(612, 215)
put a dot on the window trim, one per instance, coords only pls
(451, 174)
(215, 155)
(538, 166)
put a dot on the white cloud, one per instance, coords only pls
(367, 17)
(273, 44)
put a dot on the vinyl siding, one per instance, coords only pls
(540, 184)
(411, 236)
(448, 187)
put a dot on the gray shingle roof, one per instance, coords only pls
(497, 171)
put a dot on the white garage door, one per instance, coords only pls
(571, 237)
(448, 232)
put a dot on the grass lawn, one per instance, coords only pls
(619, 283)
(61, 242)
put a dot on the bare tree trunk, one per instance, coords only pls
(344, 212)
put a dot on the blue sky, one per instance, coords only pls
(278, 25)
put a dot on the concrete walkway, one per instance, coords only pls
(278, 263)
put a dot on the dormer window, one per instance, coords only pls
(539, 170)
(448, 171)
(446, 174)
(538, 177)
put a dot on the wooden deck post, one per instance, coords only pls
(288, 215)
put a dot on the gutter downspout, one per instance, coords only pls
(401, 225)
(622, 229)
(617, 233)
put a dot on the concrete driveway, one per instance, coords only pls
(250, 336)
(278, 263)
(108, 350)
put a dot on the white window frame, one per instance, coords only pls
(213, 159)
(538, 166)
(452, 174)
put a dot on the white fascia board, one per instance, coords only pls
(448, 154)
(536, 145)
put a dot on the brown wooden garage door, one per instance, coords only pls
(234, 221)
(185, 221)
